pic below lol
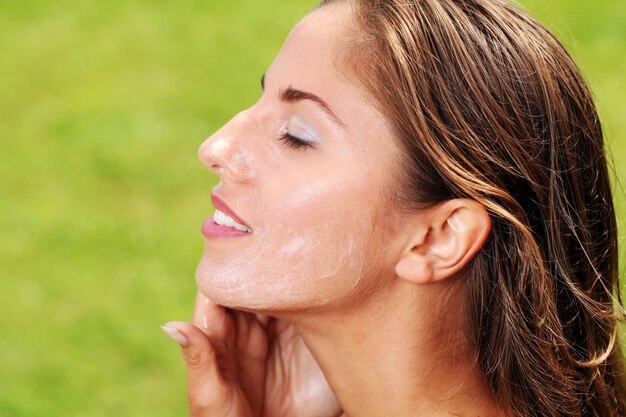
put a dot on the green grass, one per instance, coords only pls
(102, 108)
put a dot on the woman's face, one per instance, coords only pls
(318, 214)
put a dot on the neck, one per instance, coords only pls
(397, 356)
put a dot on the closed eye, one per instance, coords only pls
(294, 142)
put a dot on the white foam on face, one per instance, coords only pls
(243, 166)
(311, 265)
(233, 158)
(296, 245)
(308, 244)
(218, 150)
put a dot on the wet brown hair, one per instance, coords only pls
(487, 104)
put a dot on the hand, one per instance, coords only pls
(245, 365)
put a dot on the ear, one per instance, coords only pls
(447, 237)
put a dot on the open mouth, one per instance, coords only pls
(224, 219)
(225, 222)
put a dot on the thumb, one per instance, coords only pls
(209, 393)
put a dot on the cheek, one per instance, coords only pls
(287, 268)
(310, 251)
(319, 234)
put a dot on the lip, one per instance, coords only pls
(219, 204)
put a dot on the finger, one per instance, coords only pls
(211, 318)
(208, 391)
(263, 319)
(251, 335)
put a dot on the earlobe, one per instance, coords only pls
(457, 229)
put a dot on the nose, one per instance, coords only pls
(225, 152)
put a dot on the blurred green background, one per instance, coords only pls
(102, 108)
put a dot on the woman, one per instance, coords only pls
(415, 219)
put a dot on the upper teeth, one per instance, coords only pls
(225, 220)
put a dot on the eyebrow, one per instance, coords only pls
(292, 95)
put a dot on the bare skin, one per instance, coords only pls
(261, 367)
(364, 317)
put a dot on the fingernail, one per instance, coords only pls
(176, 335)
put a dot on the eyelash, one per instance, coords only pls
(294, 142)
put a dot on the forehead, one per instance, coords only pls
(310, 60)
(310, 52)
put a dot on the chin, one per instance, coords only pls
(241, 289)
(316, 277)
